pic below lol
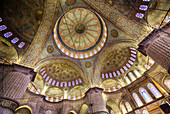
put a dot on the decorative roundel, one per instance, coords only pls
(50, 49)
(88, 64)
(70, 2)
(80, 33)
(114, 33)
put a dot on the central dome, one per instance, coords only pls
(80, 33)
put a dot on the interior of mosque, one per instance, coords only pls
(76, 46)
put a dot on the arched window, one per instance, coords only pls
(145, 95)
(114, 89)
(143, 7)
(131, 76)
(137, 73)
(8, 34)
(147, 66)
(152, 88)
(111, 112)
(127, 80)
(137, 99)
(129, 108)
(139, 15)
(119, 86)
(109, 90)
(167, 83)
(145, 112)
(14, 40)
(123, 109)
(0, 19)
(2, 27)
(21, 45)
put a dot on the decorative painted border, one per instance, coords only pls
(10, 104)
(31, 56)
(81, 53)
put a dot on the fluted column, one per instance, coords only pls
(96, 101)
(157, 46)
(13, 85)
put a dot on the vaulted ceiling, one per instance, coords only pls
(78, 44)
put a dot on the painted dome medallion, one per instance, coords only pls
(80, 33)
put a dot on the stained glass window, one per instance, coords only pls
(131, 76)
(8, 34)
(14, 40)
(0, 19)
(2, 27)
(109, 90)
(139, 15)
(127, 80)
(145, 95)
(152, 88)
(119, 86)
(147, 67)
(123, 109)
(146, 0)
(137, 73)
(145, 112)
(167, 83)
(111, 112)
(114, 89)
(143, 7)
(137, 99)
(21, 45)
(129, 108)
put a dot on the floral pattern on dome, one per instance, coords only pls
(118, 61)
(62, 71)
(80, 33)
(24, 16)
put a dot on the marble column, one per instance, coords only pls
(13, 85)
(96, 101)
(157, 46)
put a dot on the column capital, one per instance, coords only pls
(96, 89)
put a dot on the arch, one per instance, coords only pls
(122, 107)
(145, 95)
(153, 89)
(67, 72)
(54, 94)
(127, 80)
(72, 112)
(132, 77)
(128, 106)
(77, 92)
(111, 85)
(167, 83)
(145, 112)
(137, 99)
(7, 51)
(84, 109)
(25, 109)
(109, 70)
(115, 109)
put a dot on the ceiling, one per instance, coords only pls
(78, 44)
